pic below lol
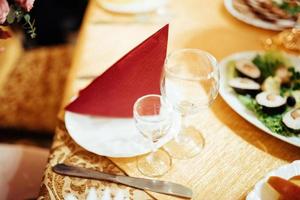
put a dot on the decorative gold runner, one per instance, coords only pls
(64, 150)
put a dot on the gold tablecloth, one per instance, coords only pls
(236, 154)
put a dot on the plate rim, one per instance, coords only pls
(226, 96)
(252, 195)
(168, 137)
(249, 20)
(125, 10)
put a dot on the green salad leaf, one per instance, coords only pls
(295, 79)
(289, 8)
(273, 122)
(269, 62)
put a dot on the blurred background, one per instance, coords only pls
(57, 21)
(33, 72)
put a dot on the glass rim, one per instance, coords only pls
(210, 57)
(136, 114)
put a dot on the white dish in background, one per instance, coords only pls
(254, 21)
(132, 6)
(263, 191)
(112, 137)
(231, 99)
(21, 171)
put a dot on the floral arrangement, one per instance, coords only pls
(16, 11)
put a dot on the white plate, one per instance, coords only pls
(262, 191)
(231, 97)
(112, 137)
(21, 171)
(133, 6)
(254, 21)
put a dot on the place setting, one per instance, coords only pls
(138, 107)
(146, 122)
(150, 100)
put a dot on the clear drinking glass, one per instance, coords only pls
(153, 119)
(190, 83)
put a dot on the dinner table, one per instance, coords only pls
(236, 154)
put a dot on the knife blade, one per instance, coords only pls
(163, 187)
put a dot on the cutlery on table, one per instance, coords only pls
(163, 187)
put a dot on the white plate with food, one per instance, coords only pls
(21, 171)
(112, 137)
(267, 14)
(264, 88)
(281, 183)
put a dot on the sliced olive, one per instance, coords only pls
(291, 101)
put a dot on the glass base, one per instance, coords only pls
(154, 164)
(186, 145)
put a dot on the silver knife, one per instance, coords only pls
(163, 187)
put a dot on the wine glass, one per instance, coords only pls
(190, 83)
(153, 119)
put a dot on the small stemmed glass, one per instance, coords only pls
(153, 119)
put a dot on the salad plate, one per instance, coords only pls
(247, 105)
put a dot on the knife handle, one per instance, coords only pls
(64, 169)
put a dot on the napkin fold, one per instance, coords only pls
(138, 73)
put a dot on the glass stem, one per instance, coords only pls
(182, 126)
(153, 148)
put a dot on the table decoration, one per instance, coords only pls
(13, 12)
(234, 100)
(107, 194)
(288, 40)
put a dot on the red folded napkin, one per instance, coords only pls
(138, 73)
